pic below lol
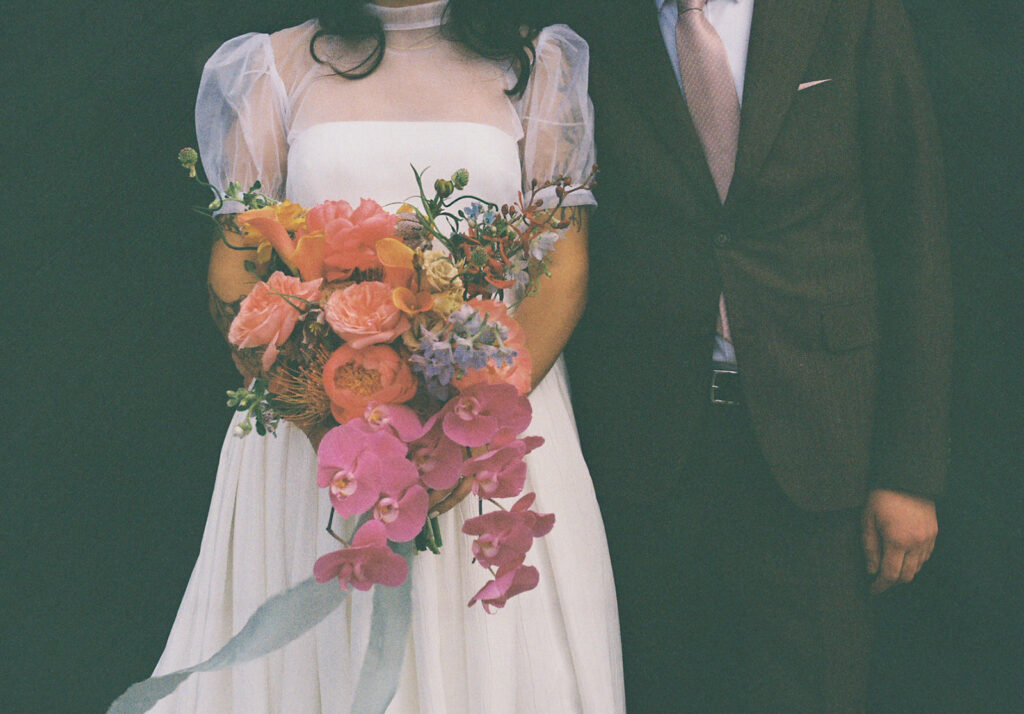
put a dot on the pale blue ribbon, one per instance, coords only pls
(290, 614)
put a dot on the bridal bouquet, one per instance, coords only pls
(387, 332)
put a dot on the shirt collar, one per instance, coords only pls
(662, 3)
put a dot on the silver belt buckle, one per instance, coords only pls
(715, 386)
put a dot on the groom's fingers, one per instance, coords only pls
(912, 562)
(890, 568)
(871, 545)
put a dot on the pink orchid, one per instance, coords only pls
(540, 524)
(438, 458)
(501, 473)
(485, 413)
(403, 517)
(401, 420)
(508, 583)
(367, 562)
(358, 463)
(504, 537)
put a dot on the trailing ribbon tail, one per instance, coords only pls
(389, 634)
(285, 617)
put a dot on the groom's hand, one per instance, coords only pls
(899, 535)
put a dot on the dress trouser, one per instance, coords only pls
(731, 598)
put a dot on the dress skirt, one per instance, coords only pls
(553, 649)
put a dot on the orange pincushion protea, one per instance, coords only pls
(354, 378)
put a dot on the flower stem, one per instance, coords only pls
(330, 522)
(435, 530)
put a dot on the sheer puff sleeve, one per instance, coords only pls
(241, 114)
(557, 116)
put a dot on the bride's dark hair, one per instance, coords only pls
(496, 29)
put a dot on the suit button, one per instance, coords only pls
(722, 239)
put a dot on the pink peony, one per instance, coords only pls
(508, 583)
(365, 314)
(266, 318)
(350, 236)
(518, 373)
(367, 562)
(357, 464)
(485, 413)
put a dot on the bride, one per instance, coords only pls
(338, 108)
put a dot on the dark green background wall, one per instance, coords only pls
(113, 376)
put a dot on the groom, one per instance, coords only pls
(761, 375)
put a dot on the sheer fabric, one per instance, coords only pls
(267, 111)
(259, 93)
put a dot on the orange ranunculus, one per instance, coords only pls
(354, 378)
(350, 235)
(266, 318)
(518, 373)
(365, 314)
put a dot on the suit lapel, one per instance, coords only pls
(782, 36)
(647, 68)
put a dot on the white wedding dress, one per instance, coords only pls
(267, 110)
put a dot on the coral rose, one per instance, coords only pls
(518, 372)
(365, 314)
(350, 235)
(355, 378)
(266, 318)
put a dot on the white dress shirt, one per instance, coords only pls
(731, 20)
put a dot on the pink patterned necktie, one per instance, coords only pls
(713, 102)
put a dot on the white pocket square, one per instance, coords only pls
(815, 83)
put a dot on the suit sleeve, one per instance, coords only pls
(907, 210)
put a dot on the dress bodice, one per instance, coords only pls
(268, 110)
(351, 160)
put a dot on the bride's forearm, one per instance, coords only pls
(228, 282)
(549, 316)
(228, 278)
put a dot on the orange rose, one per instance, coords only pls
(350, 236)
(518, 373)
(266, 318)
(354, 378)
(365, 314)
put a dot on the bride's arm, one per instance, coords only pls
(228, 282)
(549, 316)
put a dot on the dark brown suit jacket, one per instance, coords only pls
(830, 249)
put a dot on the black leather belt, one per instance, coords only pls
(725, 386)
